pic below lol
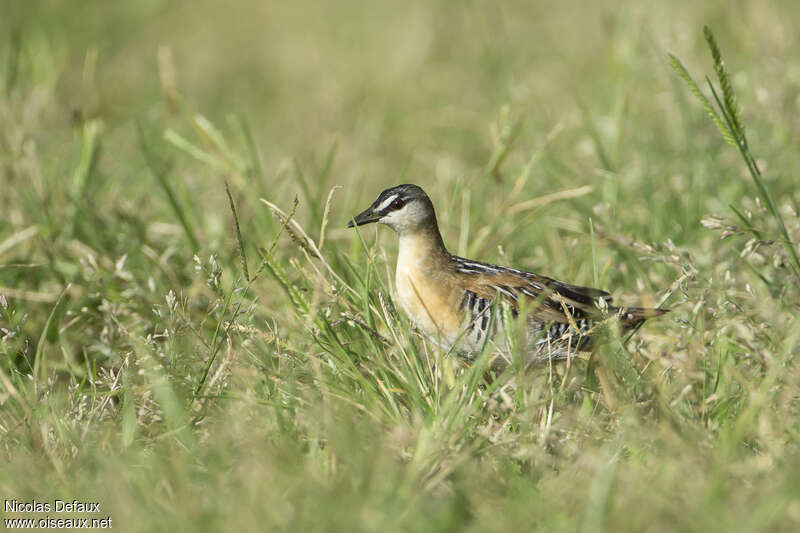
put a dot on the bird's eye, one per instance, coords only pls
(398, 203)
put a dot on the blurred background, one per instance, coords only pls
(426, 92)
(554, 137)
(418, 91)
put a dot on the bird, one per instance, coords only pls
(462, 305)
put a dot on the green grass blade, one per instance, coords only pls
(732, 131)
(159, 171)
(731, 105)
(195, 151)
(239, 239)
(695, 90)
(39, 356)
(595, 269)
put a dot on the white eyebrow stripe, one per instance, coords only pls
(386, 203)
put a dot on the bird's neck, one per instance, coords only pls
(421, 248)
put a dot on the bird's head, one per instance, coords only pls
(404, 208)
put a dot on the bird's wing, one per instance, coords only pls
(548, 300)
(544, 299)
(558, 310)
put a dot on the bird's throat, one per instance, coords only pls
(421, 249)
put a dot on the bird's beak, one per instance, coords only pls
(364, 217)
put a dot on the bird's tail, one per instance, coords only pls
(630, 317)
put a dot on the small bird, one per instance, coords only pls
(461, 304)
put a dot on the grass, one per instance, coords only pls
(190, 337)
